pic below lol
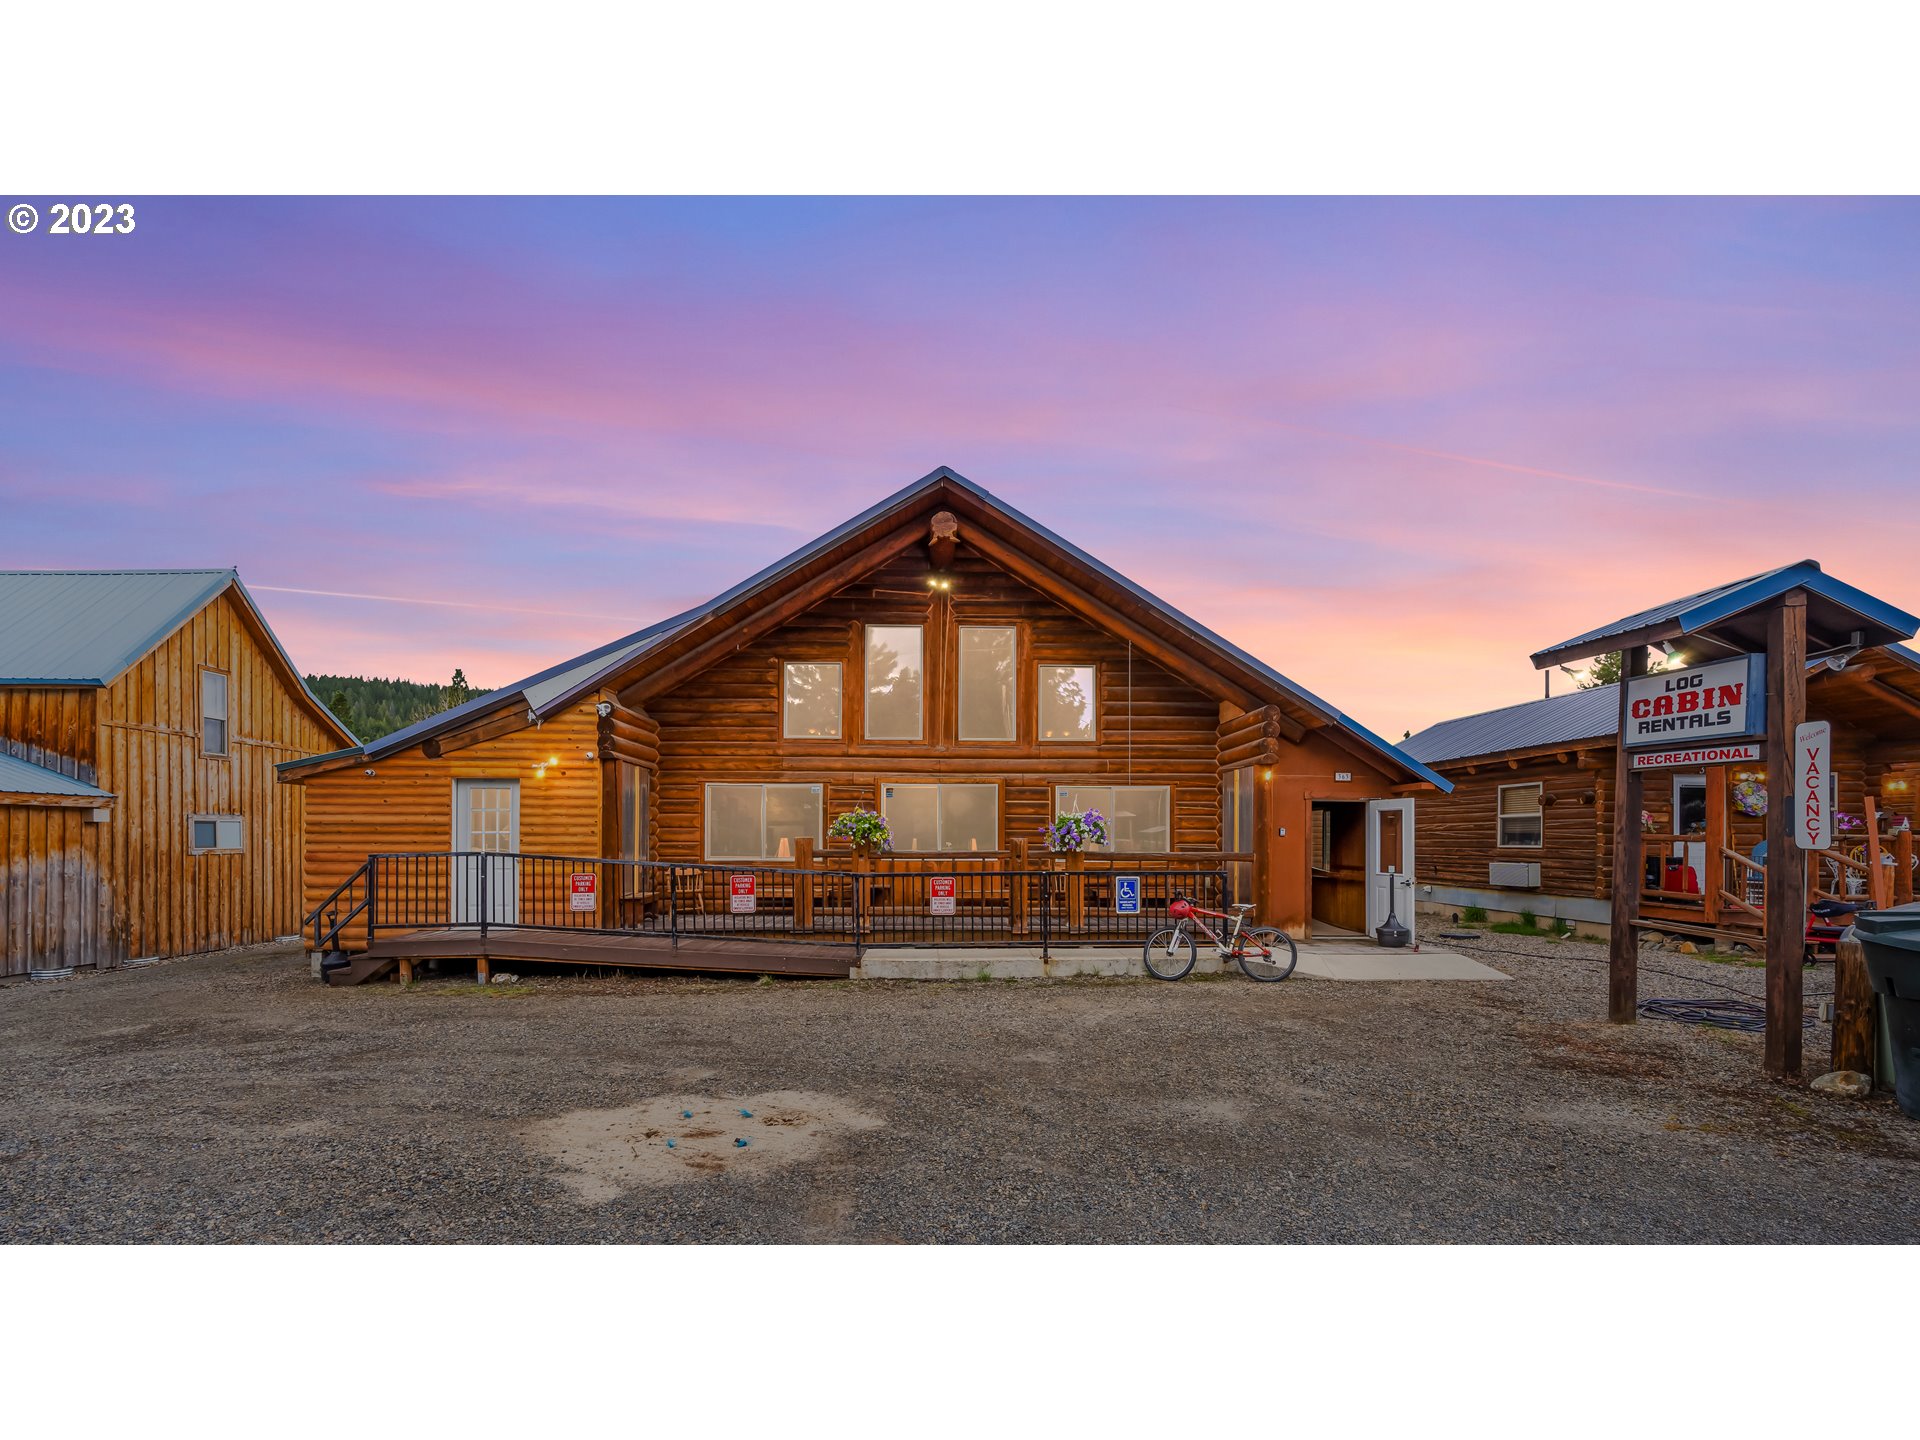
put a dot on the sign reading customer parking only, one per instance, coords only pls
(940, 895)
(580, 890)
(1126, 894)
(743, 894)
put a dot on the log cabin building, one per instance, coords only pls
(1528, 826)
(142, 714)
(940, 659)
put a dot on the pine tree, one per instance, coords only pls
(1605, 670)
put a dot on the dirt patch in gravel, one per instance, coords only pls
(677, 1139)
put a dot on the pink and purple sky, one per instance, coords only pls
(1391, 446)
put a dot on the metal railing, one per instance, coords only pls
(864, 907)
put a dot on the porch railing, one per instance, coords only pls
(882, 904)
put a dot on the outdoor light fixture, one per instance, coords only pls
(939, 581)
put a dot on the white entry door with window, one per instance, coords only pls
(1390, 863)
(486, 828)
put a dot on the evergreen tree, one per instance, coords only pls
(371, 708)
(1605, 670)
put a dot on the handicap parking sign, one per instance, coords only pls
(1126, 894)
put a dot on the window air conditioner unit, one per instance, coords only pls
(1513, 874)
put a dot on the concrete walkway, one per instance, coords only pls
(1319, 962)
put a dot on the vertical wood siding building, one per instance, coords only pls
(142, 715)
(941, 659)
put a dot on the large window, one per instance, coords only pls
(986, 682)
(1066, 702)
(810, 700)
(633, 812)
(896, 682)
(1520, 816)
(942, 817)
(208, 834)
(213, 713)
(761, 822)
(1139, 817)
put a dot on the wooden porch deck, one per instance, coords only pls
(628, 949)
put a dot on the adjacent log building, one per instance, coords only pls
(142, 715)
(941, 659)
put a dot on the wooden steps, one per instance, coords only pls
(712, 954)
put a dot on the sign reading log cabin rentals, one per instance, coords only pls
(940, 894)
(1813, 785)
(1699, 755)
(742, 893)
(581, 888)
(1723, 700)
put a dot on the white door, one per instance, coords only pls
(1390, 862)
(486, 832)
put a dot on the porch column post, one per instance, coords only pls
(1623, 945)
(1786, 861)
(1713, 868)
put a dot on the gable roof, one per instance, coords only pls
(1726, 613)
(89, 627)
(623, 660)
(23, 777)
(1560, 720)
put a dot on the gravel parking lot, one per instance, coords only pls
(229, 1098)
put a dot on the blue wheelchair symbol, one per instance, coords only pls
(1126, 894)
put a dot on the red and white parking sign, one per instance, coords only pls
(742, 894)
(581, 890)
(940, 894)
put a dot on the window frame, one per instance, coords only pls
(237, 848)
(840, 718)
(1039, 728)
(818, 789)
(939, 811)
(867, 627)
(1500, 816)
(1012, 737)
(1110, 788)
(636, 784)
(225, 752)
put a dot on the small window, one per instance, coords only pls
(1139, 817)
(895, 682)
(949, 818)
(211, 834)
(986, 682)
(1320, 841)
(213, 713)
(810, 700)
(634, 795)
(761, 822)
(1520, 816)
(1066, 702)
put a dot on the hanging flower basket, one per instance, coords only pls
(1647, 823)
(1750, 797)
(1071, 833)
(866, 829)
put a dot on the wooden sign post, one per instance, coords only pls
(1786, 918)
(1623, 948)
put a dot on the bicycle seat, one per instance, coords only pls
(1827, 909)
(1240, 907)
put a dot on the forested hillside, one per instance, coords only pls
(371, 708)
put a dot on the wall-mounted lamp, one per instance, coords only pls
(939, 580)
(1266, 774)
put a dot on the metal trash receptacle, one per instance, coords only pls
(1891, 939)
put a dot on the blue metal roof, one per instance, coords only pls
(23, 777)
(559, 686)
(1835, 610)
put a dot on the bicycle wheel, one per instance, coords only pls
(1170, 954)
(1278, 964)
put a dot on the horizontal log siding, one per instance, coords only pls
(1458, 833)
(725, 724)
(407, 804)
(84, 893)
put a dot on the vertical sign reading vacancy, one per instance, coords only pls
(1812, 785)
(742, 894)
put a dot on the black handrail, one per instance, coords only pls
(321, 942)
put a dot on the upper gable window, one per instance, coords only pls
(810, 700)
(213, 713)
(986, 682)
(896, 683)
(1067, 702)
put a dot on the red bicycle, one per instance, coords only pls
(1264, 953)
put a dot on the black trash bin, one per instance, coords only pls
(1891, 939)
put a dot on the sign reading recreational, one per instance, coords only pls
(580, 890)
(1720, 701)
(742, 894)
(1702, 755)
(1813, 785)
